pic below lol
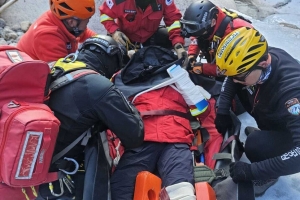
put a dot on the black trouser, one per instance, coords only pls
(261, 145)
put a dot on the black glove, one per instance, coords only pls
(240, 171)
(223, 122)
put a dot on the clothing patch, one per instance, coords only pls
(129, 11)
(293, 106)
(68, 46)
(169, 2)
(159, 7)
(14, 56)
(109, 3)
(194, 41)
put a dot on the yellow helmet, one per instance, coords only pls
(240, 50)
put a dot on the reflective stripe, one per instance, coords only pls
(176, 24)
(196, 112)
(104, 18)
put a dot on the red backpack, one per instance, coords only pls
(28, 128)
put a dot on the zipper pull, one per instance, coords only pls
(13, 104)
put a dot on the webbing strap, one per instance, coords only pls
(69, 78)
(230, 139)
(167, 112)
(69, 147)
(96, 183)
(221, 156)
(221, 30)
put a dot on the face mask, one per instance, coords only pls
(265, 74)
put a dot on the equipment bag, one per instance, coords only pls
(21, 78)
(28, 133)
(28, 128)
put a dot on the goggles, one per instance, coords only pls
(193, 28)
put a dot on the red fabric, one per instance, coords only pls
(214, 143)
(210, 69)
(18, 82)
(166, 128)
(48, 39)
(145, 23)
(27, 130)
(114, 144)
(15, 193)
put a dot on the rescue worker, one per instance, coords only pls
(138, 23)
(168, 134)
(208, 24)
(58, 31)
(93, 100)
(266, 79)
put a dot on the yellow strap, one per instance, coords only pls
(196, 112)
(34, 191)
(67, 66)
(105, 17)
(230, 13)
(175, 25)
(24, 192)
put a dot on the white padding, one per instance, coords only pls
(181, 191)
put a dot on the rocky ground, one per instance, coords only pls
(13, 26)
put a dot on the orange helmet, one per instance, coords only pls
(81, 9)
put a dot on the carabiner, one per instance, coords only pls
(72, 57)
(51, 188)
(76, 166)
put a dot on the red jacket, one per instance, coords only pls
(165, 128)
(137, 25)
(48, 39)
(210, 69)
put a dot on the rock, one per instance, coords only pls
(16, 27)
(20, 33)
(2, 2)
(2, 42)
(13, 44)
(25, 25)
(19, 37)
(2, 23)
(9, 34)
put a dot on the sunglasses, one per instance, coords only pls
(242, 77)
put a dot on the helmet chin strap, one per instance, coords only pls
(75, 30)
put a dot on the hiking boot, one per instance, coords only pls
(250, 129)
(260, 186)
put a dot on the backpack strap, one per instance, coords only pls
(221, 30)
(230, 16)
(84, 137)
(69, 78)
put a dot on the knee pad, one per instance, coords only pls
(181, 191)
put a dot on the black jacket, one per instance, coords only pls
(94, 100)
(268, 104)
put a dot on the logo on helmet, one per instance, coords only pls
(228, 40)
(98, 40)
(204, 17)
